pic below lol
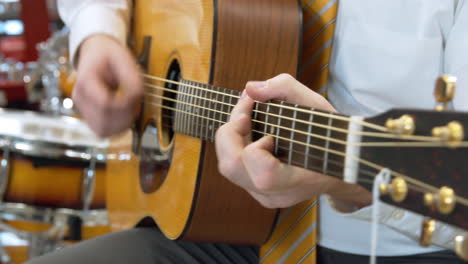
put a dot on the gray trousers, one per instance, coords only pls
(149, 246)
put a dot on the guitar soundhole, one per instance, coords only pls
(168, 115)
(154, 160)
(156, 141)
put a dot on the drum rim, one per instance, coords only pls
(46, 215)
(41, 148)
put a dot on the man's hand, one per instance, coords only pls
(108, 88)
(252, 166)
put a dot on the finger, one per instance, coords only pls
(266, 171)
(284, 87)
(128, 76)
(231, 138)
(93, 107)
(243, 107)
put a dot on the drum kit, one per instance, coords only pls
(52, 166)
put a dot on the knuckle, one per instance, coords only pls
(285, 77)
(263, 182)
(228, 167)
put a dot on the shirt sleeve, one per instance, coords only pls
(403, 221)
(90, 17)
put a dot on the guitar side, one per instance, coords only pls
(225, 43)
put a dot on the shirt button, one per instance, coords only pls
(398, 214)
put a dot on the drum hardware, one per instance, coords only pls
(89, 179)
(4, 257)
(62, 220)
(4, 168)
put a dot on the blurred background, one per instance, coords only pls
(34, 65)
(51, 164)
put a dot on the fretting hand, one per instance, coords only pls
(252, 166)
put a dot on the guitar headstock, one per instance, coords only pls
(427, 153)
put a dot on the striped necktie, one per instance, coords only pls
(294, 238)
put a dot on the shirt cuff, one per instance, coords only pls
(96, 19)
(403, 221)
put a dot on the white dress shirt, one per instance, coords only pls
(386, 53)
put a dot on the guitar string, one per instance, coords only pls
(433, 189)
(311, 157)
(256, 121)
(362, 144)
(343, 118)
(341, 130)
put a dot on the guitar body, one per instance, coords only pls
(219, 42)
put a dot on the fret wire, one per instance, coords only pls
(309, 132)
(345, 131)
(410, 180)
(188, 119)
(256, 111)
(210, 106)
(188, 89)
(215, 117)
(200, 112)
(203, 110)
(266, 119)
(291, 135)
(327, 145)
(230, 103)
(191, 126)
(175, 121)
(186, 116)
(278, 130)
(181, 107)
(207, 130)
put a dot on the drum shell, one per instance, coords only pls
(51, 186)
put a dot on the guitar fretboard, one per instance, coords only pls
(302, 137)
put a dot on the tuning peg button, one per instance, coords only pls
(428, 228)
(444, 201)
(445, 91)
(461, 246)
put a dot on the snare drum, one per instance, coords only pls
(50, 161)
(52, 180)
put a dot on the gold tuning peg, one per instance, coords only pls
(452, 133)
(398, 189)
(445, 91)
(404, 125)
(444, 200)
(428, 228)
(461, 246)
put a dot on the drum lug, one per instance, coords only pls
(89, 179)
(5, 167)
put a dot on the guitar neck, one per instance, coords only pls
(312, 140)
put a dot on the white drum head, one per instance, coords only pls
(47, 130)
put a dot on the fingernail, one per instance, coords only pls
(243, 95)
(258, 84)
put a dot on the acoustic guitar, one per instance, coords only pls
(164, 171)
